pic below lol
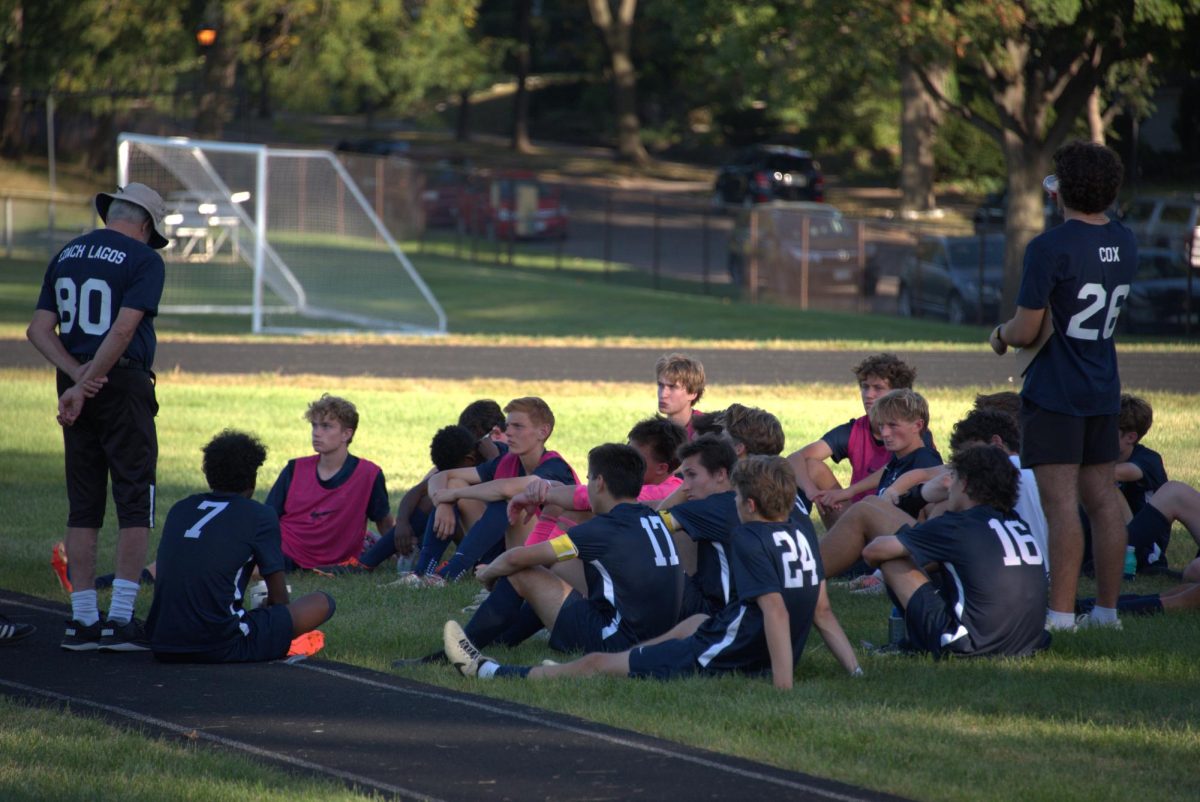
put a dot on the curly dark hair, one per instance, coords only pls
(981, 425)
(715, 451)
(621, 466)
(451, 446)
(1005, 401)
(662, 436)
(232, 460)
(480, 417)
(889, 367)
(1089, 175)
(990, 476)
(756, 429)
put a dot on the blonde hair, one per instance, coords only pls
(770, 481)
(902, 404)
(538, 411)
(331, 406)
(683, 369)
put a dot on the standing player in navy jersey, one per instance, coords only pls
(1079, 274)
(634, 580)
(781, 595)
(211, 544)
(101, 293)
(992, 600)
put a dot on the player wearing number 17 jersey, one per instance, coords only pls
(94, 322)
(1076, 276)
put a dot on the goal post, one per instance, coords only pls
(284, 236)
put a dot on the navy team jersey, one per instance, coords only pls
(710, 522)
(768, 557)
(92, 279)
(210, 545)
(997, 581)
(632, 570)
(1082, 273)
(554, 469)
(1154, 476)
(923, 457)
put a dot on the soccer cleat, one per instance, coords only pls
(129, 636)
(80, 637)
(58, 563)
(867, 585)
(350, 566)
(416, 581)
(461, 653)
(11, 633)
(1085, 621)
(307, 644)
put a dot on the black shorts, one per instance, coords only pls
(581, 628)
(930, 624)
(269, 638)
(694, 602)
(1052, 438)
(667, 660)
(1149, 534)
(115, 436)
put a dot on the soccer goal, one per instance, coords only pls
(283, 236)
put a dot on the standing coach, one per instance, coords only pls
(101, 292)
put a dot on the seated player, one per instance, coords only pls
(529, 425)
(764, 630)
(656, 439)
(632, 572)
(680, 386)
(902, 419)
(991, 599)
(857, 440)
(211, 544)
(1141, 475)
(324, 501)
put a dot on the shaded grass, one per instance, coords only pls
(1102, 716)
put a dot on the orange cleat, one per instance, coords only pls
(58, 563)
(307, 644)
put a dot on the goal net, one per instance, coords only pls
(283, 236)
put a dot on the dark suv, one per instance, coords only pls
(943, 276)
(769, 172)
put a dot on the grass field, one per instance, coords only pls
(1102, 716)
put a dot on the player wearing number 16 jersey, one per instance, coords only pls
(101, 294)
(1076, 276)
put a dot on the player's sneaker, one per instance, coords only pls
(129, 636)
(80, 637)
(866, 585)
(416, 581)
(11, 633)
(1086, 621)
(58, 564)
(307, 644)
(350, 566)
(1053, 627)
(461, 653)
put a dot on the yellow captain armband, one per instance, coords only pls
(564, 548)
(669, 520)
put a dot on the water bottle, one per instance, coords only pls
(1130, 563)
(896, 630)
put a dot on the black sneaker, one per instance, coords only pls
(81, 638)
(127, 637)
(11, 633)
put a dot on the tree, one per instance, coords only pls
(1037, 63)
(617, 32)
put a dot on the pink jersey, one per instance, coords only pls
(324, 527)
(865, 454)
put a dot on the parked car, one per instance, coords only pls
(1159, 301)
(993, 212)
(942, 278)
(764, 173)
(1164, 221)
(374, 146)
(512, 205)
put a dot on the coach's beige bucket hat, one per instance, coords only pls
(143, 196)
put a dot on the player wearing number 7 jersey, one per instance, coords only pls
(990, 598)
(211, 544)
(101, 293)
(1078, 274)
(781, 596)
(633, 573)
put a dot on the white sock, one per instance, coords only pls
(124, 595)
(1057, 620)
(1104, 615)
(83, 607)
(488, 669)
